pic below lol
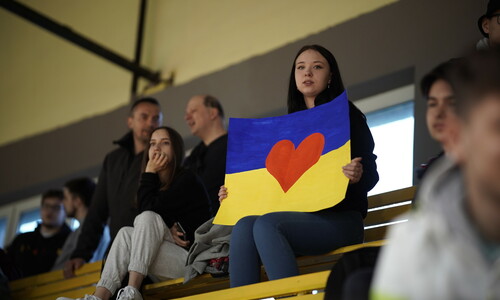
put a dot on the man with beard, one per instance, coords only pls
(114, 201)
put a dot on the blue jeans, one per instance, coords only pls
(275, 239)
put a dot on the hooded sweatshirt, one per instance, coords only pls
(438, 253)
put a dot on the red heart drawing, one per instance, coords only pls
(287, 164)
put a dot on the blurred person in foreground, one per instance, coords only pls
(450, 247)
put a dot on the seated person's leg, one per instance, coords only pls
(280, 236)
(244, 261)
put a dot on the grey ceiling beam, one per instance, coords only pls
(138, 43)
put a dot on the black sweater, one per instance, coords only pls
(209, 162)
(361, 146)
(185, 201)
(34, 254)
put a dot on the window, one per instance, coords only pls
(28, 220)
(391, 121)
(3, 231)
(74, 224)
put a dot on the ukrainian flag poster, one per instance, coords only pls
(287, 163)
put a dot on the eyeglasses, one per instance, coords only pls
(497, 16)
(55, 207)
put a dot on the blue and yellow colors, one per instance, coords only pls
(287, 163)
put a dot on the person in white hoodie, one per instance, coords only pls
(450, 247)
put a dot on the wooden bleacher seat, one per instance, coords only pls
(52, 284)
(276, 288)
(382, 209)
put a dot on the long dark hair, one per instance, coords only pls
(178, 152)
(296, 101)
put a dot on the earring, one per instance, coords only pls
(328, 84)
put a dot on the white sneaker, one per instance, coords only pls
(86, 297)
(129, 293)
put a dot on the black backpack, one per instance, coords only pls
(351, 276)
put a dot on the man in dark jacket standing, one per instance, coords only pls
(35, 252)
(116, 190)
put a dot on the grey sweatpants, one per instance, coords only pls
(147, 248)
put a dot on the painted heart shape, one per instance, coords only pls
(288, 164)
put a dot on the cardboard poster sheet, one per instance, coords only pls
(287, 163)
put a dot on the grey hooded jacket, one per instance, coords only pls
(438, 253)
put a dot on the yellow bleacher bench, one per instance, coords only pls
(276, 288)
(382, 209)
(52, 284)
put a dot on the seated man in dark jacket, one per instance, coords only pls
(35, 252)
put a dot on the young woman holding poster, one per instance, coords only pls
(168, 196)
(275, 239)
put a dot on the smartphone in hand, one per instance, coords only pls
(180, 229)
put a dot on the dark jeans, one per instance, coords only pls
(275, 239)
